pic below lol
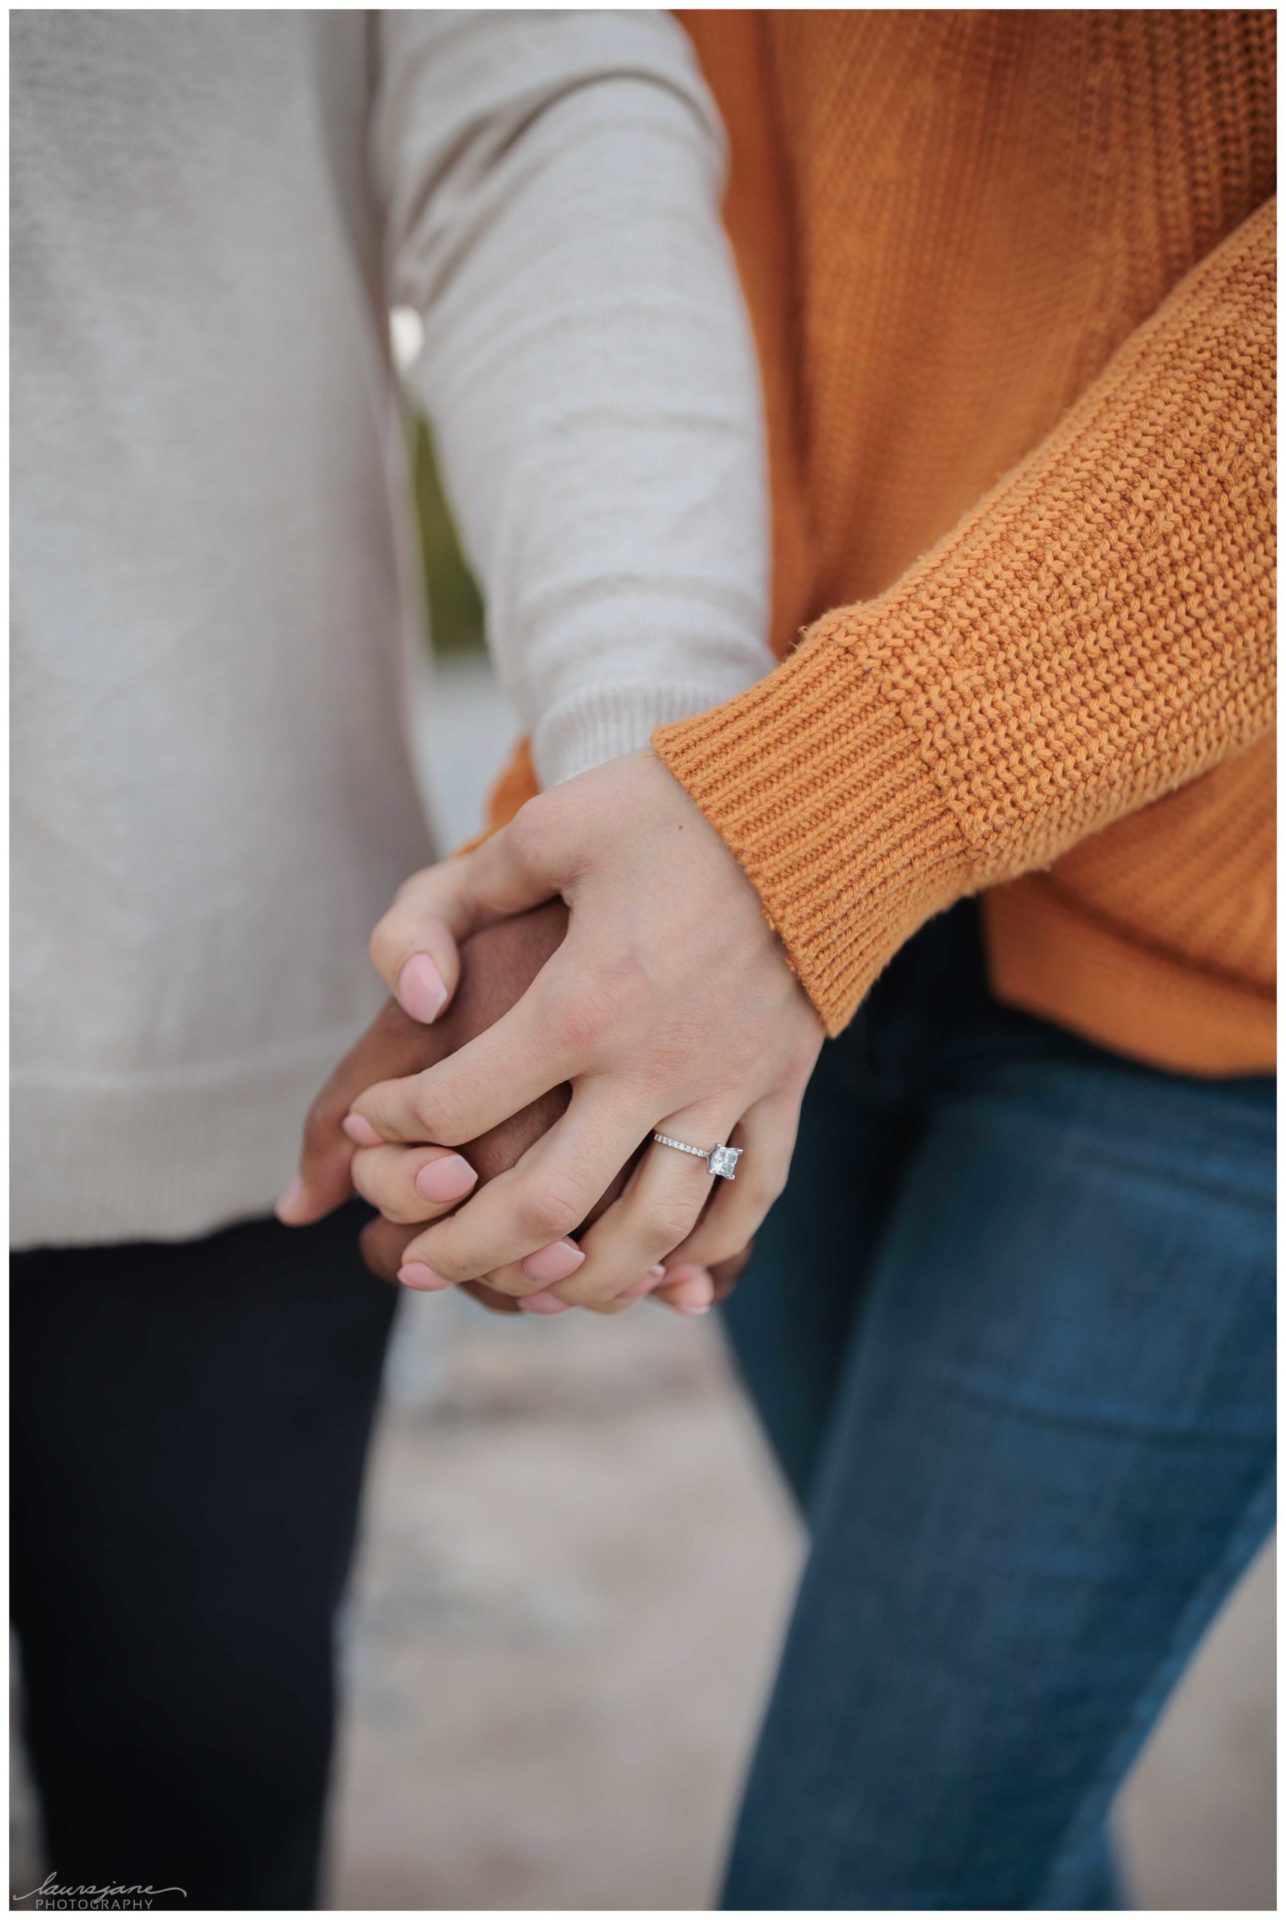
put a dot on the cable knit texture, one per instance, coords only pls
(1012, 283)
(1012, 277)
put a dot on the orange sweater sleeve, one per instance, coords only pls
(1096, 633)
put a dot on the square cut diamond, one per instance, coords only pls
(723, 1160)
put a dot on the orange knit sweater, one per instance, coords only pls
(1012, 281)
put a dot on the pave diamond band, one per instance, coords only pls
(720, 1161)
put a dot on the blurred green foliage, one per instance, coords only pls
(455, 605)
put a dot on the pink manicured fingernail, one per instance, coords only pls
(416, 1274)
(553, 1263)
(421, 988)
(543, 1303)
(449, 1178)
(657, 1273)
(289, 1201)
(360, 1130)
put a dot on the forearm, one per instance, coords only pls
(590, 375)
(1097, 633)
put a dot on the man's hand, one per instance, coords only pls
(502, 961)
(499, 963)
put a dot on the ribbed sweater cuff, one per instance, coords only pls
(819, 787)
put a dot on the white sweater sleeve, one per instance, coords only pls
(550, 186)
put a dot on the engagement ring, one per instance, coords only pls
(720, 1161)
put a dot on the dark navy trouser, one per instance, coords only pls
(1011, 1332)
(190, 1425)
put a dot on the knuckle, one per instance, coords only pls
(362, 1175)
(575, 1028)
(598, 1006)
(577, 1021)
(549, 1211)
(578, 1032)
(438, 1112)
(669, 1220)
(395, 1205)
(411, 895)
(618, 983)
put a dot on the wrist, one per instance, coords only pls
(820, 788)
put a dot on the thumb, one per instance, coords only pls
(416, 946)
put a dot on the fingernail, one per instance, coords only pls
(289, 1201)
(360, 1130)
(416, 1274)
(542, 1303)
(657, 1273)
(421, 988)
(553, 1263)
(449, 1178)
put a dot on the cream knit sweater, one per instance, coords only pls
(212, 792)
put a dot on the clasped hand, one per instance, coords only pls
(668, 1006)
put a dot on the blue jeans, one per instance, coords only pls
(1010, 1330)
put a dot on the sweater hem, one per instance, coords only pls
(1048, 959)
(158, 1161)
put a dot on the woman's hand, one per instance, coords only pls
(670, 1005)
(499, 964)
